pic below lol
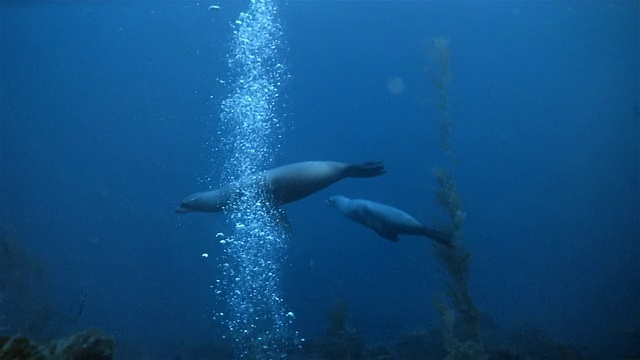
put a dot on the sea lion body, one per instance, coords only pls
(385, 220)
(283, 184)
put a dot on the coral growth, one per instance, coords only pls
(448, 199)
(470, 349)
(3, 317)
(456, 258)
(433, 343)
(440, 52)
(456, 262)
(340, 341)
(87, 345)
(24, 291)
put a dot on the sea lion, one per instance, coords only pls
(283, 184)
(385, 220)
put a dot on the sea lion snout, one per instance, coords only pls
(189, 204)
(207, 201)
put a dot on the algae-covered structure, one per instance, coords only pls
(87, 345)
(465, 344)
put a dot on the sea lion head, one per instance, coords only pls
(207, 201)
(336, 201)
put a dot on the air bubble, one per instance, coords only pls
(253, 253)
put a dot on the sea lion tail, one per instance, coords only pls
(367, 169)
(439, 236)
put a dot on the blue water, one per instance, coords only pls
(110, 113)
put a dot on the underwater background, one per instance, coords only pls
(110, 117)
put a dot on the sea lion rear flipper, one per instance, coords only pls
(388, 235)
(367, 169)
(440, 236)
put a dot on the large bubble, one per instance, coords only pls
(395, 85)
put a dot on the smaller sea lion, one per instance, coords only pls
(385, 220)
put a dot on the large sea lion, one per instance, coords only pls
(283, 184)
(385, 220)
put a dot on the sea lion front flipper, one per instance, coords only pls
(391, 236)
(283, 220)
